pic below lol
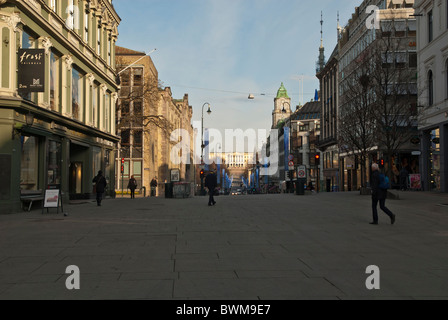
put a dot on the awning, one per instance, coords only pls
(387, 25)
(412, 25)
(400, 25)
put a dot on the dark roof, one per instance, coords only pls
(313, 108)
(120, 51)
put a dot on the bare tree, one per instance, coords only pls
(355, 129)
(394, 79)
(139, 99)
(379, 105)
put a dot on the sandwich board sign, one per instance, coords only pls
(53, 198)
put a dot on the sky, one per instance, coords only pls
(220, 51)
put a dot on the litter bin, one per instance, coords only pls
(300, 187)
(168, 190)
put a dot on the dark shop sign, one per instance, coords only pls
(31, 70)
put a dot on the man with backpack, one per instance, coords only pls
(380, 185)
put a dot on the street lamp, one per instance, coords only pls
(209, 111)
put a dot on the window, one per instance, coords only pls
(138, 107)
(412, 59)
(125, 78)
(76, 93)
(430, 26)
(109, 56)
(86, 27)
(125, 107)
(54, 81)
(71, 15)
(54, 5)
(107, 114)
(138, 77)
(30, 164)
(125, 137)
(401, 58)
(95, 104)
(412, 28)
(28, 42)
(430, 88)
(54, 158)
(98, 39)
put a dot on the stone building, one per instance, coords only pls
(432, 39)
(389, 35)
(147, 115)
(65, 134)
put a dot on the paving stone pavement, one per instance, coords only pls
(260, 247)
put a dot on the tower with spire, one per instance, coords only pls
(321, 62)
(282, 107)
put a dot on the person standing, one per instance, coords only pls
(211, 182)
(153, 187)
(379, 195)
(404, 179)
(132, 185)
(100, 186)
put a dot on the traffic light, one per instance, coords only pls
(122, 165)
(289, 174)
(202, 174)
(317, 158)
(382, 163)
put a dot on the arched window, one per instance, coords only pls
(430, 88)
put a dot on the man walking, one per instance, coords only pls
(211, 182)
(100, 186)
(379, 194)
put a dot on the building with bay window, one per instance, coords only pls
(65, 134)
(432, 40)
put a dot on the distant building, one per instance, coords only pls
(432, 39)
(70, 133)
(306, 137)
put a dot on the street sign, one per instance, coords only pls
(301, 172)
(291, 165)
(291, 157)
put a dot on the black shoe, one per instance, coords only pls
(392, 220)
(374, 223)
(214, 203)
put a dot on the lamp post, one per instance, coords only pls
(209, 111)
(291, 187)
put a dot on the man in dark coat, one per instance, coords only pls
(211, 182)
(379, 195)
(132, 185)
(153, 187)
(100, 185)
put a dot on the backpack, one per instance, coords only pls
(384, 182)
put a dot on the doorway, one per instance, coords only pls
(75, 181)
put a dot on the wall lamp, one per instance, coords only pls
(18, 127)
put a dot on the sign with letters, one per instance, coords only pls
(31, 70)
